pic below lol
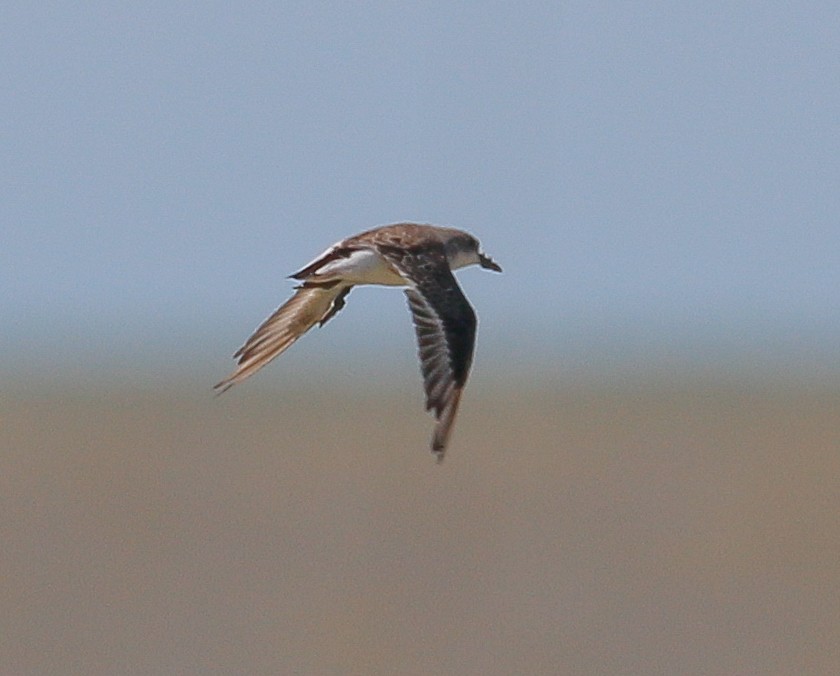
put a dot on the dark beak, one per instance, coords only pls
(488, 263)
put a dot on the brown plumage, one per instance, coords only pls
(420, 257)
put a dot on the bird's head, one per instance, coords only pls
(463, 249)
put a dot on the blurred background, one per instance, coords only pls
(644, 475)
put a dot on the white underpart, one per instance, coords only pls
(364, 266)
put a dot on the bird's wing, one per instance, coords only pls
(445, 325)
(290, 321)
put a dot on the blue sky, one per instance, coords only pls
(657, 179)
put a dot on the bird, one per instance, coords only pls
(418, 257)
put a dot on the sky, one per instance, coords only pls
(660, 181)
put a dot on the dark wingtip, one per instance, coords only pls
(221, 387)
(439, 449)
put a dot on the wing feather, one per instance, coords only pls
(445, 325)
(309, 305)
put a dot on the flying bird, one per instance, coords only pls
(418, 257)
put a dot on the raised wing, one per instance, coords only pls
(290, 321)
(445, 325)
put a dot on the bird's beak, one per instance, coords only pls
(488, 263)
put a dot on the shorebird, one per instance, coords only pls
(419, 257)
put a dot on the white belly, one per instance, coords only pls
(362, 267)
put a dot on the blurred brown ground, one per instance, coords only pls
(647, 528)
